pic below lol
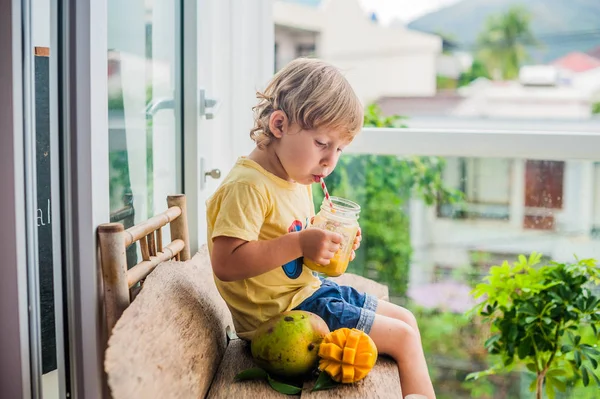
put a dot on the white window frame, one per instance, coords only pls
(15, 363)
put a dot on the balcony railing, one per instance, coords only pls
(507, 143)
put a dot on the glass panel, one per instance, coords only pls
(145, 138)
(44, 226)
(433, 227)
(47, 249)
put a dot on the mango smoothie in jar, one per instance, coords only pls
(340, 216)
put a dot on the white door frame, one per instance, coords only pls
(231, 58)
(191, 119)
(83, 121)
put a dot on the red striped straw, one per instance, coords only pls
(326, 194)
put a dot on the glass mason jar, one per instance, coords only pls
(342, 219)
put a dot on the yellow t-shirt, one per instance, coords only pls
(254, 204)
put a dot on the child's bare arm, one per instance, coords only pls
(236, 259)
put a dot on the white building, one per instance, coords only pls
(378, 60)
(589, 82)
(513, 206)
(538, 94)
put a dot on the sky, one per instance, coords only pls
(405, 10)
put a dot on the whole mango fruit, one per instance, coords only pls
(288, 344)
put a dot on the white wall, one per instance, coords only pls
(448, 65)
(511, 100)
(249, 59)
(392, 76)
(377, 60)
(235, 58)
(588, 81)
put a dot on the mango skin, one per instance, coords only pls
(288, 344)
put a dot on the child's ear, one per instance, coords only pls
(278, 123)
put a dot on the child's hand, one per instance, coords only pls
(319, 245)
(356, 245)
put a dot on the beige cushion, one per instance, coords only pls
(170, 340)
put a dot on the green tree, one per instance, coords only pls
(382, 185)
(537, 313)
(477, 70)
(504, 40)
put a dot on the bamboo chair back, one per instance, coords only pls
(121, 284)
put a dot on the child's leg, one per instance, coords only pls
(394, 329)
(389, 309)
(396, 334)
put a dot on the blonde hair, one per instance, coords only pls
(313, 94)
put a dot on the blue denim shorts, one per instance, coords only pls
(341, 306)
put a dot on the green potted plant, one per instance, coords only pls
(545, 317)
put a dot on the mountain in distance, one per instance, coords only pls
(561, 26)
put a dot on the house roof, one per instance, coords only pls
(577, 62)
(595, 52)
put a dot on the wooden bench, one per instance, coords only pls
(176, 339)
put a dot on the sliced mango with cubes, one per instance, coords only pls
(347, 355)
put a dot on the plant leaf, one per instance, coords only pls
(549, 391)
(585, 376)
(589, 350)
(556, 372)
(559, 384)
(490, 341)
(596, 378)
(566, 348)
(324, 381)
(478, 374)
(524, 348)
(283, 388)
(531, 367)
(254, 373)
